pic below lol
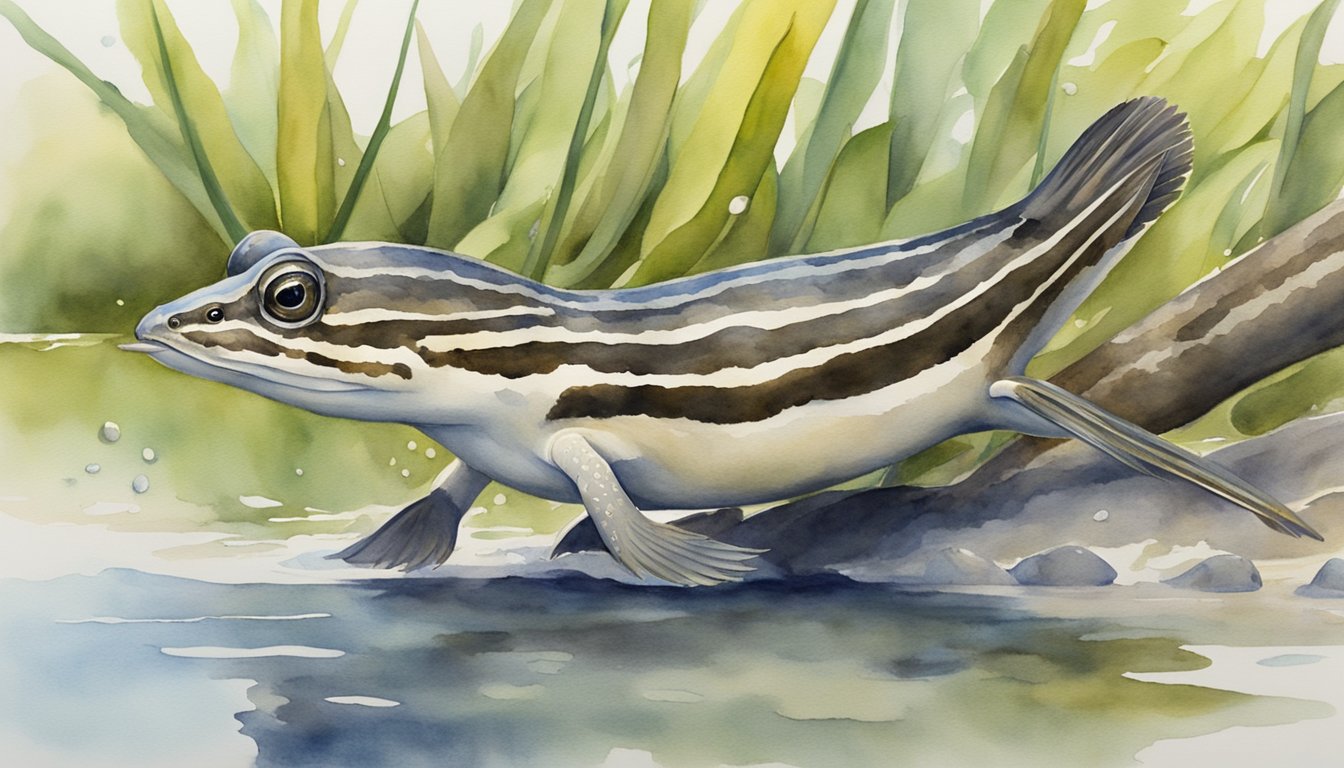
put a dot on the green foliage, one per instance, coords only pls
(534, 160)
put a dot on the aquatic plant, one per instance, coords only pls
(534, 160)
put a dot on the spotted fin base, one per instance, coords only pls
(645, 547)
(1145, 452)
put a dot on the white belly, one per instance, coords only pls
(684, 464)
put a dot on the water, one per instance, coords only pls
(196, 623)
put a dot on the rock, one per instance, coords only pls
(1220, 573)
(110, 432)
(957, 566)
(1068, 566)
(1329, 581)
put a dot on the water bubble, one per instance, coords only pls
(500, 499)
(410, 446)
(1069, 88)
(298, 471)
(1101, 516)
(340, 161)
(121, 302)
(92, 469)
(405, 473)
(110, 433)
(140, 484)
(430, 453)
(738, 204)
(392, 462)
(107, 41)
(149, 456)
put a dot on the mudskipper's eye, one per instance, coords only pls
(214, 314)
(291, 294)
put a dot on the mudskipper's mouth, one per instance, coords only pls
(146, 347)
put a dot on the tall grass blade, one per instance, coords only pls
(617, 196)
(858, 66)
(337, 42)
(254, 85)
(209, 179)
(539, 255)
(1279, 216)
(1009, 134)
(728, 150)
(467, 185)
(375, 140)
(935, 37)
(304, 147)
(440, 97)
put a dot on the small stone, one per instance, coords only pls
(110, 433)
(1220, 573)
(1329, 581)
(140, 484)
(1068, 566)
(1101, 516)
(961, 567)
(149, 456)
(92, 469)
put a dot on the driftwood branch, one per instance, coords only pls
(1275, 306)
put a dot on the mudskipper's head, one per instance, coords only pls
(261, 329)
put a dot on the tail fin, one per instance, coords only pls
(1118, 144)
(1124, 170)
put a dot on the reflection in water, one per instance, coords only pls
(555, 673)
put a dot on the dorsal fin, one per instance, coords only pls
(1119, 143)
(255, 247)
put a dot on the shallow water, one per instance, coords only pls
(197, 624)
(125, 668)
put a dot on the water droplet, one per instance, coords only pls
(110, 433)
(140, 484)
(1069, 88)
(738, 204)
(298, 471)
(430, 453)
(148, 455)
(1101, 516)
(410, 446)
(500, 499)
(405, 473)
(340, 161)
(121, 303)
(92, 469)
(107, 41)
(392, 462)
(1227, 252)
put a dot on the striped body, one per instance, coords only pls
(740, 386)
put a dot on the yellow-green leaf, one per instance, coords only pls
(307, 197)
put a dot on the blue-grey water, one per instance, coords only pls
(126, 668)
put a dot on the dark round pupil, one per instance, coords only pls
(214, 314)
(290, 296)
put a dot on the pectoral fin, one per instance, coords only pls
(1141, 450)
(645, 547)
(425, 532)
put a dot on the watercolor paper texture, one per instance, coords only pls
(929, 589)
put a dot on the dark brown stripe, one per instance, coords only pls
(245, 341)
(850, 374)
